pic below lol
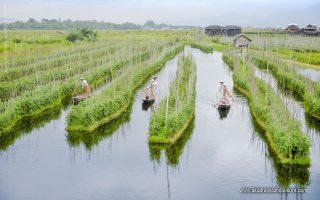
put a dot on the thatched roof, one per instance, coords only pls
(214, 27)
(242, 35)
(311, 27)
(232, 27)
(218, 27)
(292, 27)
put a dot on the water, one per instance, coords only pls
(309, 73)
(297, 112)
(213, 161)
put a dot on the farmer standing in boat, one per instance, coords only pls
(225, 93)
(85, 87)
(151, 89)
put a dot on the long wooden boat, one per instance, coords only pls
(77, 99)
(148, 101)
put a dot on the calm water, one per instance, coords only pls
(213, 161)
(310, 73)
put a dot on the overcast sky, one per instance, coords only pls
(258, 13)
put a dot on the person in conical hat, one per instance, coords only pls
(225, 93)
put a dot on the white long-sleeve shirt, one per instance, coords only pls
(84, 83)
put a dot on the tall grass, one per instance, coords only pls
(115, 100)
(302, 87)
(283, 132)
(175, 113)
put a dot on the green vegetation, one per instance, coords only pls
(82, 34)
(175, 113)
(36, 97)
(53, 24)
(284, 55)
(38, 75)
(309, 56)
(282, 131)
(26, 125)
(41, 69)
(286, 174)
(172, 152)
(286, 77)
(89, 140)
(116, 99)
(203, 47)
(301, 87)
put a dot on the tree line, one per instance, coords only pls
(53, 24)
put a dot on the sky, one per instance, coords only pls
(255, 13)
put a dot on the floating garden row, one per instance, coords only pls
(301, 87)
(13, 73)
(176, 113)
(25, 57)
(282, 131)
(96, 77)
(116, 99)
(25, 54)
(34, 103)
(31, 82)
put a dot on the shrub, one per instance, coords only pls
(82, 34)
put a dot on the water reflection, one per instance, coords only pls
(309, 73)
(223, 111)
(103, 132)
(286, 175)
(27, 125)
(172, 152)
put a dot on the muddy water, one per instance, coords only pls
(215, 159)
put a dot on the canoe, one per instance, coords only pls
(77, 99)
(224, 106)
(223, 110)
(148, 101)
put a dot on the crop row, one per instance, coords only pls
(115, 100)
(15, 88)
(72, 59)
(302, 88)
(55, 63)
(34, 103)
(175, 113)
(30, 57)
(282, 131)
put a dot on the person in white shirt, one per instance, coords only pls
(225, 94)
(85, 87)
(151, 89)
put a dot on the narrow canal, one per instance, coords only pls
(216, 159)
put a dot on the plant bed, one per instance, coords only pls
(176, 113)
(282, 131)
(87, 116)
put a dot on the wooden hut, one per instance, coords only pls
(241, 41)
(310, 30)
(229, 30)
(292, 28)
(233, 30)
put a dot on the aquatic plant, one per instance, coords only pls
(175, 113)
(282, 131)
(116, 99)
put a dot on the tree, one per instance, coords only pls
(73, 37)
(31, 21)
(82, 34)
(150, 24)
